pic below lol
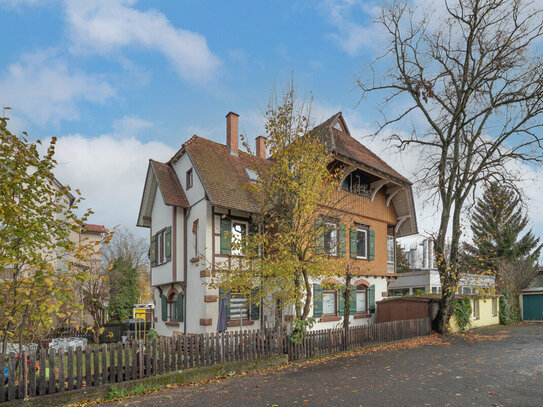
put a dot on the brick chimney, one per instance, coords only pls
(232, 132)
(261, 147)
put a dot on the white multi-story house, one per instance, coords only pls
(195, 203)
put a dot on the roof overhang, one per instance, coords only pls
(399, 193)
(147, 199)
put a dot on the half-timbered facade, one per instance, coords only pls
(195, 204)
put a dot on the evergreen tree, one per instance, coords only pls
(123, 289)
(402, 263)
(498, 222)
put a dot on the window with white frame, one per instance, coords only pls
(329, 302)
(361, 299)
(361, 243)
(494, 307)
(331, 238)
(161, 247)
(239, 232)
(475, 308)
(172, 308)
(390, 249)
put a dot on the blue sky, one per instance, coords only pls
(122, 81)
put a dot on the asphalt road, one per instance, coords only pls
(500, 372)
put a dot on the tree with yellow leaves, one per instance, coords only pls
(38, 260)
(281, 257)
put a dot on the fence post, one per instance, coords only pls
(61, 370)
(70, 368)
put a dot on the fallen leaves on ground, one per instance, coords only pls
(474, 338)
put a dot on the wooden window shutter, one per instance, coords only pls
(226, 236)
(342, 240)
(341, 301)
(371, 296)
(152, 251)
(372, 245)
(317, 300)
(226, 294)
(255, 306)
(168, 243)
(164, 308)
(352, 243)
(352, 308)
(180, 307)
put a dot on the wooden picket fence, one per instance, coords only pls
(329, 341)
(48, 371)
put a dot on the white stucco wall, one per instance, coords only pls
(161, 218)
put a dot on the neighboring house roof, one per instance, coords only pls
(87, 227)
(169, 184)
(223, 174)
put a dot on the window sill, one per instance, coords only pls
(328, 318)
(235, 322)
(172, 323)
(362, 316)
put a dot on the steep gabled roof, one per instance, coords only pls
(160, 176)
(172, 191)
(223, 174)
(341, 142)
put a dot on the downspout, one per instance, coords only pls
(185, 266)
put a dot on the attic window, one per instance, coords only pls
(358, 183)
(338, 126)
(253, 176)
(189, 178)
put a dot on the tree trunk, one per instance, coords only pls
(347, 298)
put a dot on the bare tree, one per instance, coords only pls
(93, 293)
(514, 276)
(471, 76)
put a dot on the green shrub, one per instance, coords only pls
(509, 312)
(152, 334)
(462, 312)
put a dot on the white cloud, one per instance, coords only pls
(42, 88)
(109, 170)
(353, 36)
(106, 26)
(131, 126)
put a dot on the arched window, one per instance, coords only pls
(172, 307)
(361, 299)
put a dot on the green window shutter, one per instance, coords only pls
(164, 308)
(152, 251)
(352, 243)
(317, 300)
(342, 240)
(226, 236)
(180, 305)
(372, 245)
(352, 308)
(225, 293)
(255, 307)
(319, 232)
(168, 243)
(371, 296)
(341, 301)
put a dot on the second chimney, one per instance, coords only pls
(261, 147)
(232, 132)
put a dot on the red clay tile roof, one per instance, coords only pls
(94, 228)
(169, 185)
(344, 144)
(223, 174)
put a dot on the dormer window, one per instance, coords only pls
(358, 183)
(189, 178)
(253, 176)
